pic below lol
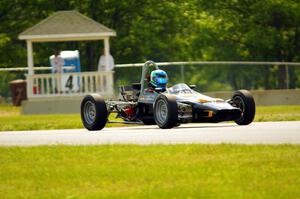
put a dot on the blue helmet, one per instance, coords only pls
(159, 79)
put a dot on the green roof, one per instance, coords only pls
(64, 23)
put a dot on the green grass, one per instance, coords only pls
(8, 110)
(36, 122)
(12, 120)
(156, 171)
(277, 113)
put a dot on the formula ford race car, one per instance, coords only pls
(167, 108)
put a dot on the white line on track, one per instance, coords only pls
(255, 133)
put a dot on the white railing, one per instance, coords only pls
(69, 84)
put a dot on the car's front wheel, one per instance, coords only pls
(243, 100)
(94, 113)
(165, 111)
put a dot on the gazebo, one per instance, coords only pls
(67, 26)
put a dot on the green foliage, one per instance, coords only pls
(180, 30)
(6, 77)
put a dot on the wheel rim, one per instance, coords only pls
(161, 111)
(239, 102)
(89, 112)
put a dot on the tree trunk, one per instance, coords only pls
(296, 41)
(90, 47)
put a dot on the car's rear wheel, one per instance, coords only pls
(165, 111)
(94, 113)
(243, 100)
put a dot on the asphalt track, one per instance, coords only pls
(256, 133)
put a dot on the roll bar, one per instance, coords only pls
(146, 65)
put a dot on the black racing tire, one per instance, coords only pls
(94, 113)
(243, 99)
(145, 114)
(165, 111)
(148, 121)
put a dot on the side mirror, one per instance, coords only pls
(192, 86)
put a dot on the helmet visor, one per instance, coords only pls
(161, 80)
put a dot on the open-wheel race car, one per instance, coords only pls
(143, 103)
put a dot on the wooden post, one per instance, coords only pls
(108, 76)
(106, 51)
(30, 58)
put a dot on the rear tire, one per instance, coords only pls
(165, 111)
(243, 99)
(94, 113)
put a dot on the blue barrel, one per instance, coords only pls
(71, 58)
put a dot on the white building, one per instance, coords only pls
(42, 93)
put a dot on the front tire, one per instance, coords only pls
(94, 113)
(148, 121)
(243, 100)
(165, 111)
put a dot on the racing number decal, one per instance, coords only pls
(69, 83)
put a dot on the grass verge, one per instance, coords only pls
(12, 120)
(277, 113)
(156, 171)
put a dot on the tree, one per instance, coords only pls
(255, 30)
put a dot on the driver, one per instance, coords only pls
(158, 79)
